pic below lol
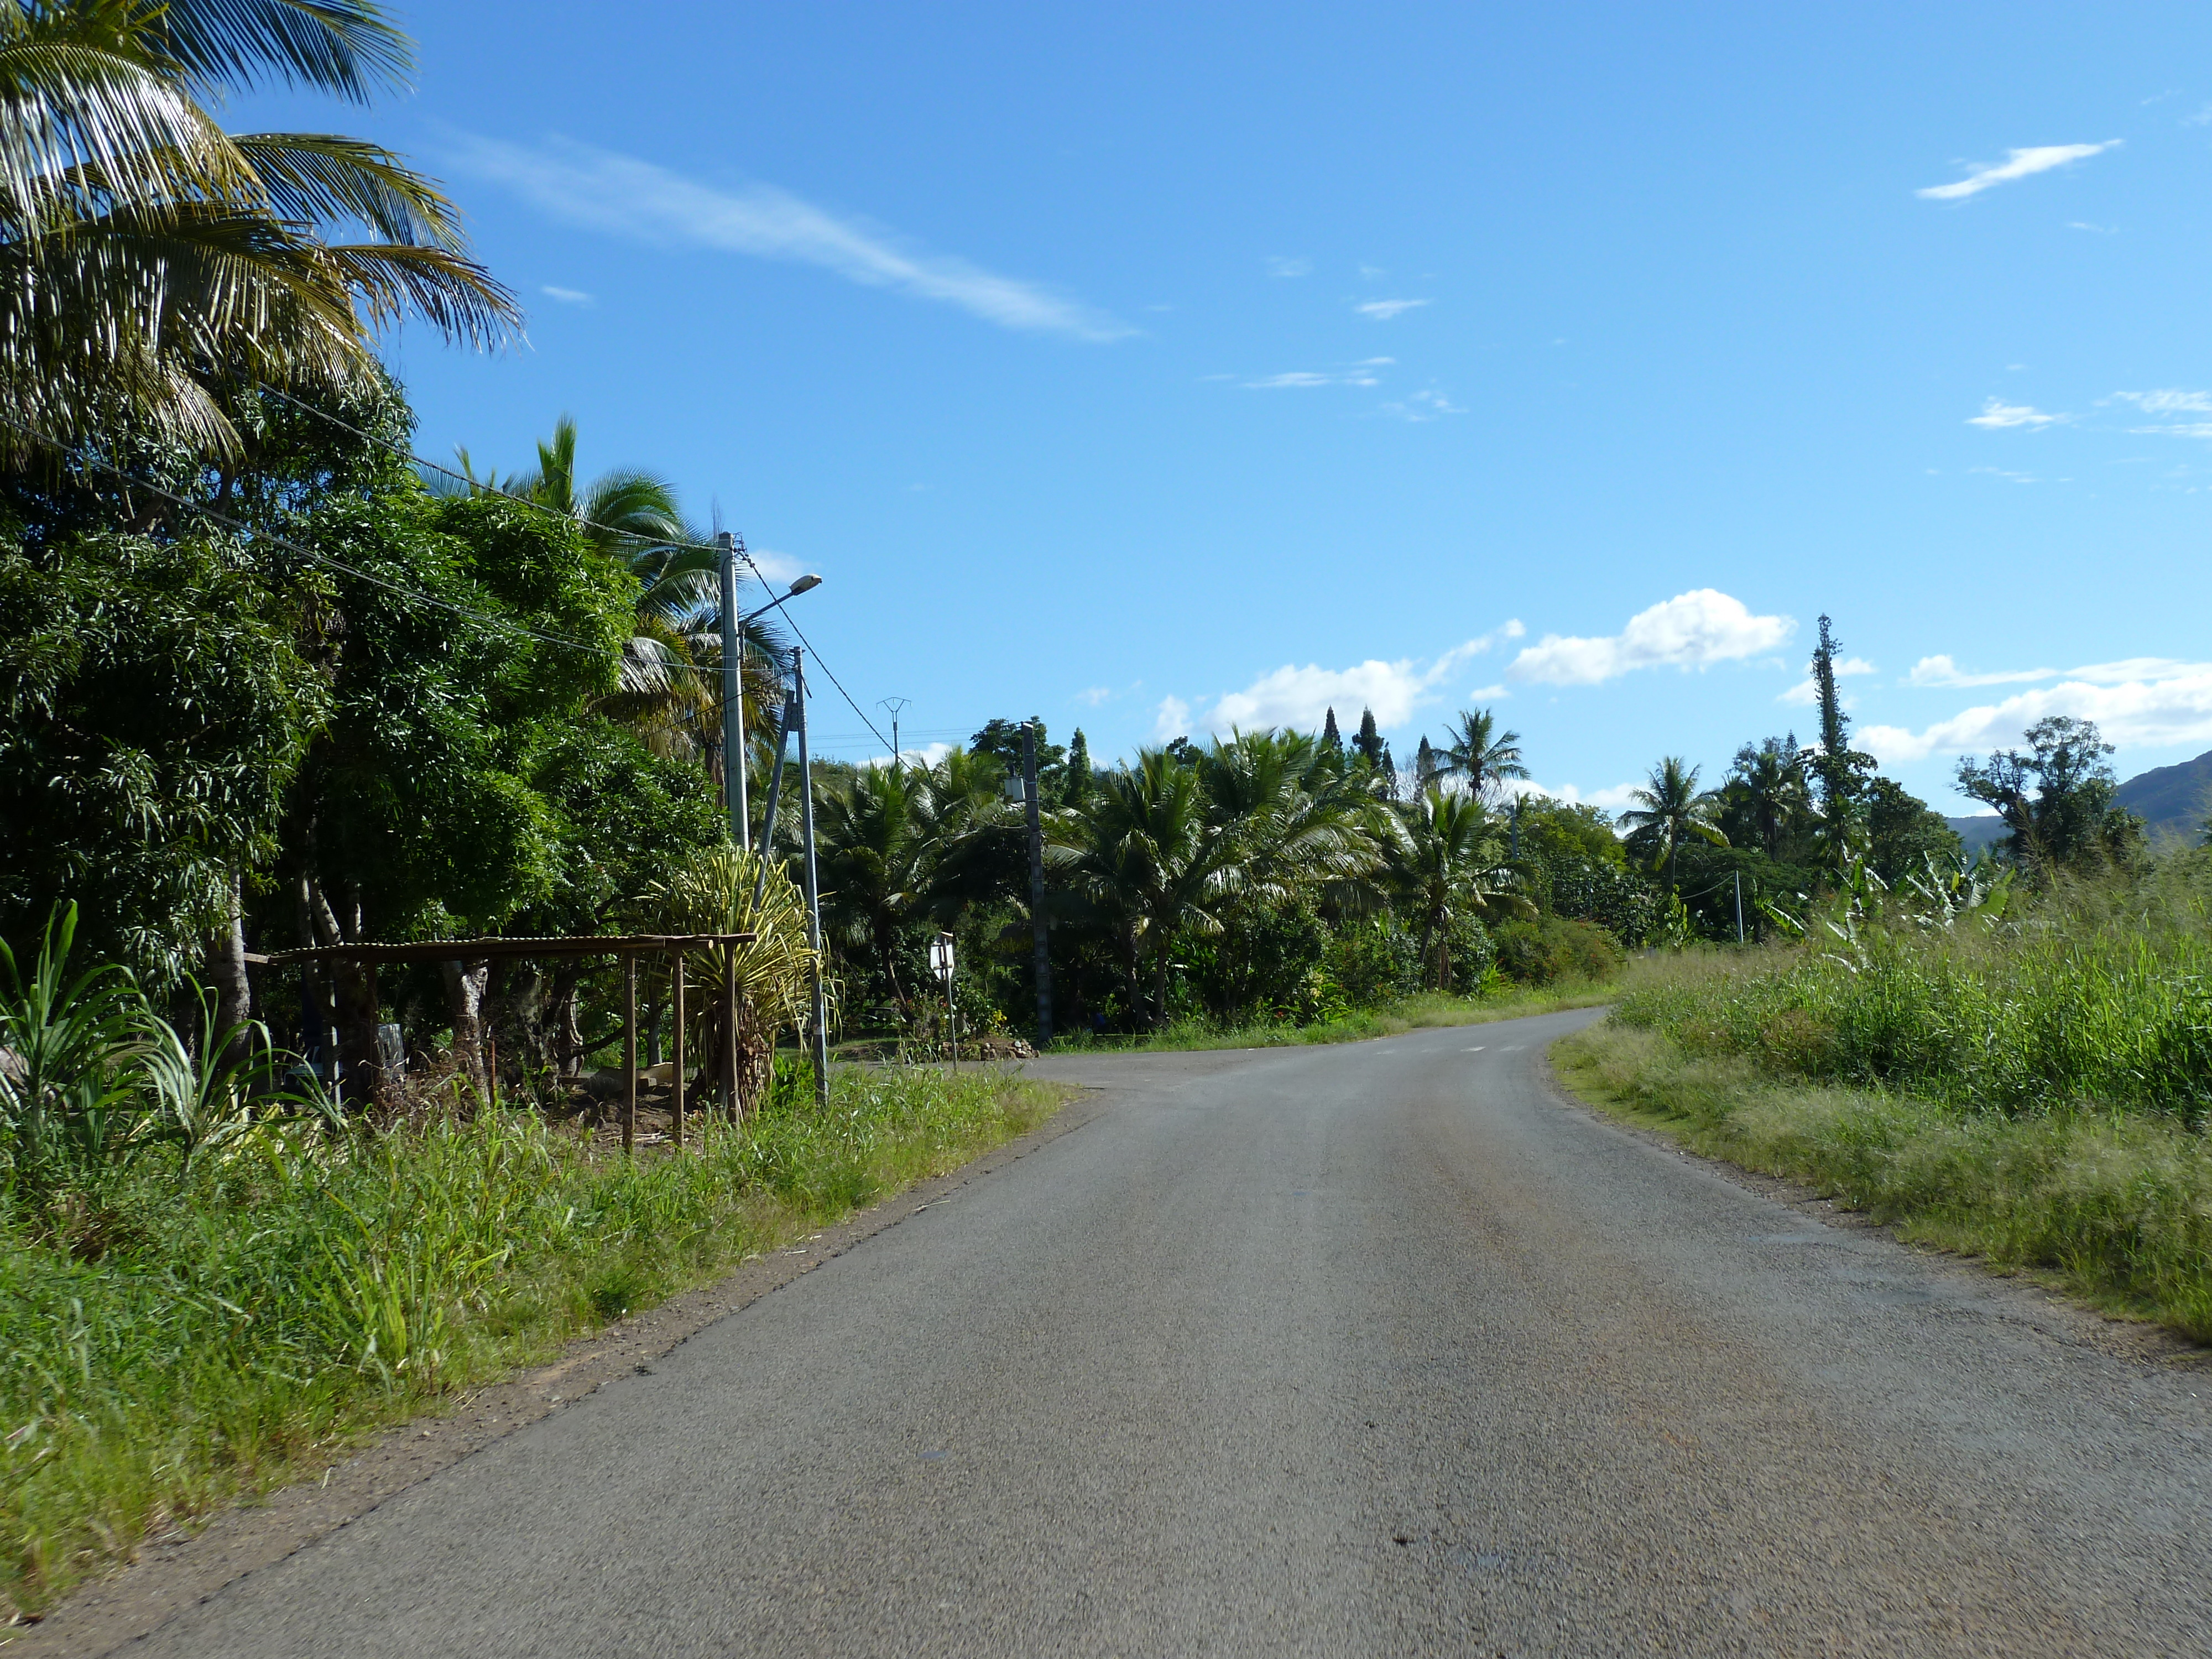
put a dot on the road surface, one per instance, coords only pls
(1373, 1349)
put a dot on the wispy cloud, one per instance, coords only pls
(2143, 711)
(1172, 719)
(567, 296)
(928, 754)
(1805, 694)
(1301, 697)
(1278, 266)
(2101, 230)
(625, 196)
(1422, 406)
(1942, 673)
(1384, 310)
(2017, 164)
(2170, 401)
(1359, 374)
(1997, 412)
(1691, 631)
(1094, 694)
(780, 569)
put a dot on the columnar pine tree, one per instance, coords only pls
(1079, 769)
(1370, 741)
(1330, 739)
(1838, 770)
(1424, 765)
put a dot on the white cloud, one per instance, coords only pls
(778, 570)
(929, 754)
(2017, 164)
(1996, 412)
(626, 196)
(1691, 631)
(1942, 673)
(1172, 721)
(567, 296)
(1941, 670)
(2138, 713)
(1280, 266)
(1360, 374)
(1422, 406)
(1301, 697)
(1805, 694)
(2170, 401)
(1094, 694)
(2101, 230)
(1373, 273)
(1384, 310)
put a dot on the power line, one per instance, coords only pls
(811, 651)
(490, 489)
(569, 518)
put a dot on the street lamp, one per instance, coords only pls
(734, 693)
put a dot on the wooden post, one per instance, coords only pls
(730, 1032)
(629, 1052)
(675, 1083)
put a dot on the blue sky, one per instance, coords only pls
(1158, 368)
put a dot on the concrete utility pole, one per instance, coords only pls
(1038, 926)
(733, 698)
(1739, 907)
(821, 1044)
(893, 707)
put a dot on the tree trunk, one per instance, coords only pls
(1160, 984)
(233, 992)
(354, 987)
(464, 993)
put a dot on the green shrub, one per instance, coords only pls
(1553, 948)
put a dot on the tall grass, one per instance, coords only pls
(2037, 1092)
(174, 1333)
(2098, 998)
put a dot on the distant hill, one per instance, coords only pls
(1978, 831)
(2172, 800)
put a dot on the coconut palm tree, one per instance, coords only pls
(1452, 864)
(148, 260)
(1668, 808)
(1772, 776)
(1143, 853)
(873, 864)
(1481, 754)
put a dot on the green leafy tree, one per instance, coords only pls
(1670, 807)
(1767, 801)
(1904, 832)
(1370, 740)
(2057, 797)
(1079, 769)
(1330, 739)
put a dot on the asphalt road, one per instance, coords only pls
(1376, 1349)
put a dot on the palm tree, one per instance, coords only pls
(1482, 754)
(1452, 865)
(1295, 824)
(873, 864)
(1771, 776)
(1142, 851)
(1670, 806)
(147, 259)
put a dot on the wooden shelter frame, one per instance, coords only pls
(629, 947)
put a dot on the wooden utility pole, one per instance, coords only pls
(630, 1052)
(675, 1083)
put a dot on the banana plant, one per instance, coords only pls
(67, 1094)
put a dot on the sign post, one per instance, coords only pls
(940, 963)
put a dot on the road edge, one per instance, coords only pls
(170, 1574)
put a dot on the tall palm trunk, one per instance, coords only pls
(354, 983)
(464, 995)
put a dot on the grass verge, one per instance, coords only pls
(2113, 1207)
(1428, 1008)
(171, 1344)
